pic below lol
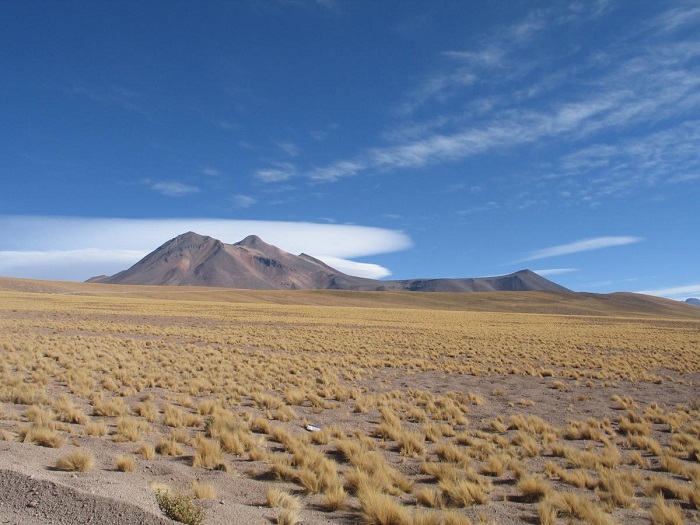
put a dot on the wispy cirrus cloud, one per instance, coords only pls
(676, 292)
(583, 245)
(174, 189)
(210, 171)
(645, 93)
(243, 201)
(555, 271)
(289, 148)
(279, 172)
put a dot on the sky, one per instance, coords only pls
(394, 139)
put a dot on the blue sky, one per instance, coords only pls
(410, 139)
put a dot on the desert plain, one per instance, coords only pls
(346, 407)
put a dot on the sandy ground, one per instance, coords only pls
(33, 492)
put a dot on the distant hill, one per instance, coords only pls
(694, 301)
(196, 260)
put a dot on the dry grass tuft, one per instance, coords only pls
(534, 488)
(96, 428)
(76, 461)
(464, 493)
(334, 497)
(146, 451)
(203, 491)
(381, 509)
(278, 498)
(663, 513)
(42, 436)
(169, 447)
(126, 463)
(208, 453)
(574, 506)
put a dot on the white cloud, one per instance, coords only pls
(243, 201)
(629, 88)
(289, 148)
(174, 189)
(583, 245)
(280, 172)
(212, 172)
(368, 270)
(555, 271)
(76, 248)
(676, 292)
(72, 265)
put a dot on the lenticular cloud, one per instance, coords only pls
(75, 248)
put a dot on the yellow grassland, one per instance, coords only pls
(215, 377)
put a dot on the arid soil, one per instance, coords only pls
(603, 410)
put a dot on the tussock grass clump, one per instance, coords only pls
(26, 394)
(68, 412)
(645, 443)
(208, 453)
(295, 396)
(111, 407)
(279, 498)
(381, 509)
(464, 493)
(180, 507)
(42, 436)
(284, 414)
(430, 498)
(287, 517)
(146, 451)
(411, 443)
(148, 410)
(76, 461)
(334, 497)
(627, 427)
(126, 463)
(574, 506)
(260, 425)
(203, 491)
(495, 465)
(41, 417)
(169, 447)
(666, 487)
(533, 488)
(174, 417)
(577, 478)
(663, 513)
(96, 428)
(206, 407)
(129, 429)
(267, 401)
(619, 487)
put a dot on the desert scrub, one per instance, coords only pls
(203, 491)
(76, 461)
(125, 463)
(180, 507)
(208, 453)
(42, 436)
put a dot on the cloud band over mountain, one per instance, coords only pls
(70, 248)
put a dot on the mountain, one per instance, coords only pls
(694, 301)
(196, 260)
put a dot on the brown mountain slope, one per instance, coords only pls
(626, 305)
(195, 260)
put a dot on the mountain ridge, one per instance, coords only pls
(191, 259)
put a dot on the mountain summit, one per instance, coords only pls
(191, 259)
